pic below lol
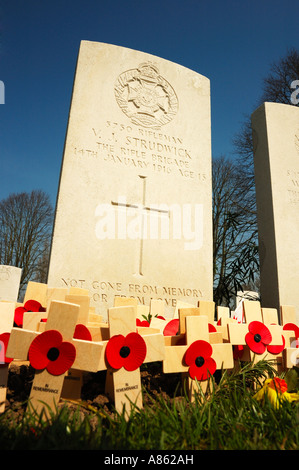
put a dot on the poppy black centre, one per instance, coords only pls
(257, 338)
(124, 352)
(199, 361)
(53, 354)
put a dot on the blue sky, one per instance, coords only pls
(233, 43)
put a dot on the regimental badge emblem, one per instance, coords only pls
(145, 97)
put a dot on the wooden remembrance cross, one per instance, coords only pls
(200, 352)
(254, 346)
(125, 351)
(52, 353)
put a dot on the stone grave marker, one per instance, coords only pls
(52, 353)
(134, 204)
(10, 277)
(275, 129)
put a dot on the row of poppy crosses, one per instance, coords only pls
(61, 337)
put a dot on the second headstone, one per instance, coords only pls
(276, 160)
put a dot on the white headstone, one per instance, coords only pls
(276, 159)
(134, 211)
(10, 277)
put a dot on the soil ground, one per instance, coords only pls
(153, 381)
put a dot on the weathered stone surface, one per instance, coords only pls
(133, 213)
(10, 277)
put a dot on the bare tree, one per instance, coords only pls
(277, 88)
(277, 85)
(25, 232)
(234, 231)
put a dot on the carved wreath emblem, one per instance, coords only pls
(146, 97)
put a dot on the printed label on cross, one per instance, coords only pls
(142, 211)
(125, 351)
(52, 353)
(198, 358)
(7, 310)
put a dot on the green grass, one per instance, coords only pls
(230, 419)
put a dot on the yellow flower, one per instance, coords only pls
(276, 391)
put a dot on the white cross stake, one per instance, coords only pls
(125, 351)
(198, 357)
(52, 353)
(7, 310)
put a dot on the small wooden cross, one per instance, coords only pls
(73, 381)
(7, 310)
(123, 358)
(36, 291)
(196, 329)
(36, 321)
(157, 308)
(78, 354)
(238, 332)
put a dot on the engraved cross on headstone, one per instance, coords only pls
(142, 211)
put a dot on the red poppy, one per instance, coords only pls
(258, 337)
(29, 306)
(144, 323)
(82, 332)
(198, 358)
(279, 385)
(295, 328)
(274, 349)
(49, 351)
(4, 338)
(147, 323)
(126, 351)
(172, 328)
